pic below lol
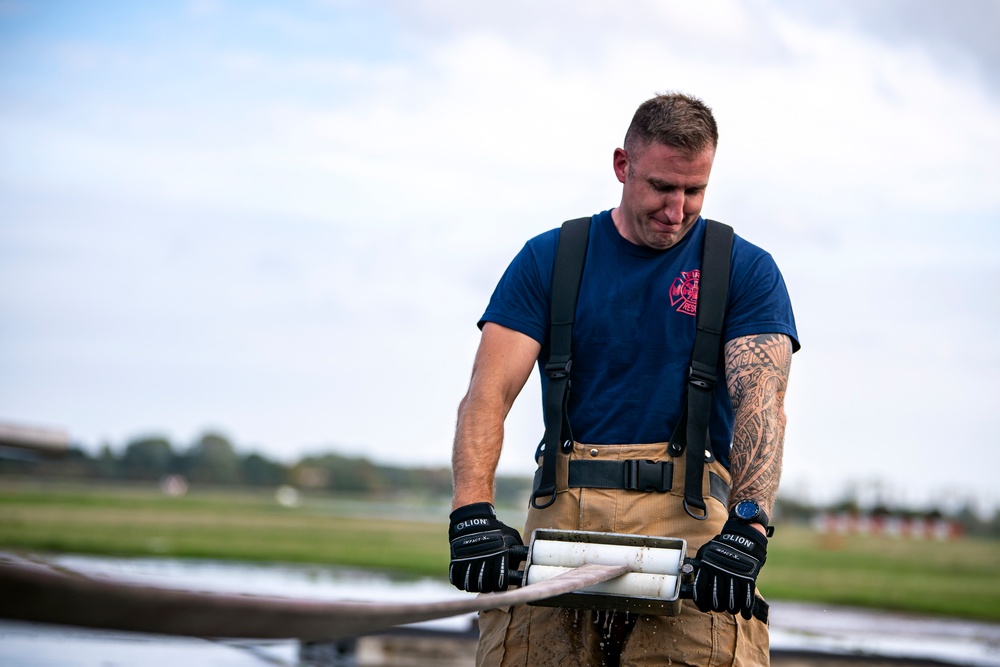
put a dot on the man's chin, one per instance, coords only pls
(661, 237)
(662, 240)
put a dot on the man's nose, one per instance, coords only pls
(673, 208)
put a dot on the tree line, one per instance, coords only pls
(213, 460)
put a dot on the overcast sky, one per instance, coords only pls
(282, 221)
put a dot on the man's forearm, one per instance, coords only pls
(757, 370)
(478, 441)
(503, 363)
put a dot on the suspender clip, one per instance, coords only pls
(558, 369)
(701, 378)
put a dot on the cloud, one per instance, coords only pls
(290, 229)
(961, 37)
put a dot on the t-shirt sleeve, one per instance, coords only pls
(521, 298)
(759, 302)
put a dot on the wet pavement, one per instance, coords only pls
(802, 635)
(33, 645)
(848, 631)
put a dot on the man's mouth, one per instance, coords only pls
(665, 226)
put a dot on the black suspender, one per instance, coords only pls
(692, 429)
(713, 290)
(571, 254)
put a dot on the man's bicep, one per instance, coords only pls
(504, 361)
(757, 366)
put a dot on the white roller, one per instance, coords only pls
(633, 584)
(646, 560)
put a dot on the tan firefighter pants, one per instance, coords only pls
(526, 636)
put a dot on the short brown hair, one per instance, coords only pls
(676, 120)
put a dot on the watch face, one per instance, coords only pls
(747, 510)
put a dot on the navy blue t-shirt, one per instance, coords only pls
(635, 328)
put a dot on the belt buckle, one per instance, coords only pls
(645, 475)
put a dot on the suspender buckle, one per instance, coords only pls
(559, 368)
(704, 379)
(642, 475)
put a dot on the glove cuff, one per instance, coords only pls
(473, 511)
(744, 537)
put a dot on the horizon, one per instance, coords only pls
(866, 494)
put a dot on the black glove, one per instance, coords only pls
(479, 549)
(727, 573)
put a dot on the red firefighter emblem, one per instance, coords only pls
(684, 292)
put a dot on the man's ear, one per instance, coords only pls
(621, 164)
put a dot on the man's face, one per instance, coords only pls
(663, 192)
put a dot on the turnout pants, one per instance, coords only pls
(527, 636)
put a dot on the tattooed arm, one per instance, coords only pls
(757, 375)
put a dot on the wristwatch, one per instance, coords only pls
(748, 511)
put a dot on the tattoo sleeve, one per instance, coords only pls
(757, 374)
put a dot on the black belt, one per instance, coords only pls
(636, 475)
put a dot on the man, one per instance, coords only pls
(632, 346)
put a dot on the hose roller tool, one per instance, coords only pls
(660, 574)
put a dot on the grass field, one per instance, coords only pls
(959, 578)
(249, 526)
